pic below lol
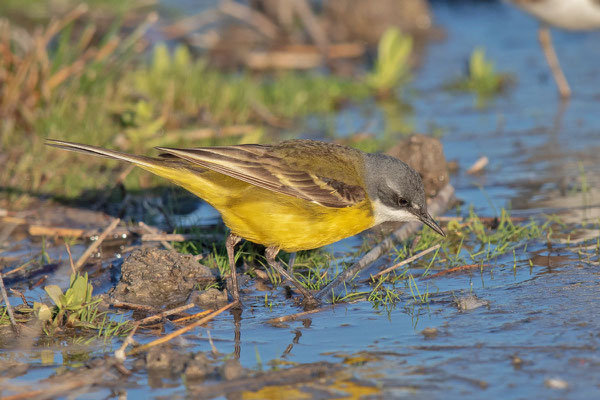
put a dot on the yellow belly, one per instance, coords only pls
(272, 219)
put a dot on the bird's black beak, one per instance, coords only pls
(430, 222)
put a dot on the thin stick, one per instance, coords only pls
(21, 295)
(7, 231)
(457, 269)
(11, 316)
(478, 165)
(161, 315)
(88, 252)
(314, 29)
(133, 306)
(70, 257)
(194, 316)
(189, 24)
(250, 16)
(183, 330)
(212, 344)
(292, 317)
(120, 352)
(153, 230)
(175, 237)
(19, 268)
(408, 260)
(437, 206)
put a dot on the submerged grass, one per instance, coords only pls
(471, 243)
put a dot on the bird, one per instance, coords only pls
(294, 195)
(572, 15)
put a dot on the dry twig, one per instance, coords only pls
(21, 295)
(478, 165)
(408, 260)
(153, 231)
(457, 269)
(252, 17)
(193, 316)
(176, 237)
(9, 309)
(183, 330)
(41, 230)
(120, 352)
(314, 29)
(292, 317)
(70, 257)
(88, 252)
(163, 314)
(187, 25)
(133, 306)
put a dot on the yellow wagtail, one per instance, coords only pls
(296, 195)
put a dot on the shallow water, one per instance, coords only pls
(544, 315)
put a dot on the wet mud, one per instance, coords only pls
(160, 278)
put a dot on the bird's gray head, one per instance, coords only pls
(396, 191)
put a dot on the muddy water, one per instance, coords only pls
(534, 328)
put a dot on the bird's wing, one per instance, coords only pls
(292, 168)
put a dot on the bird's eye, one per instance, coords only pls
(402, 202)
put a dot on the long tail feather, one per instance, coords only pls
(101, 152)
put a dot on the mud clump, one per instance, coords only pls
(164, 358)
(211, 298)
(199, 367)
(160, 278)
(426, 156)
(231, 370)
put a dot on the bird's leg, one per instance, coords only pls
(232, 241)
(291, 263)
(271, 254)
(546, 43)
(237, 321)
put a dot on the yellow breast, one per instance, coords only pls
(272, 219)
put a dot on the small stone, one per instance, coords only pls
(210, 298)
(516, 362)
(556, 383)
(430, 333)
(470, 302)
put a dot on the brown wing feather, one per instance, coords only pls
(298, 168)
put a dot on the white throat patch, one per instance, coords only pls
(384, 213)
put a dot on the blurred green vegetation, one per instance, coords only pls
(108, 92)
(393, 61)
(483, 80)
